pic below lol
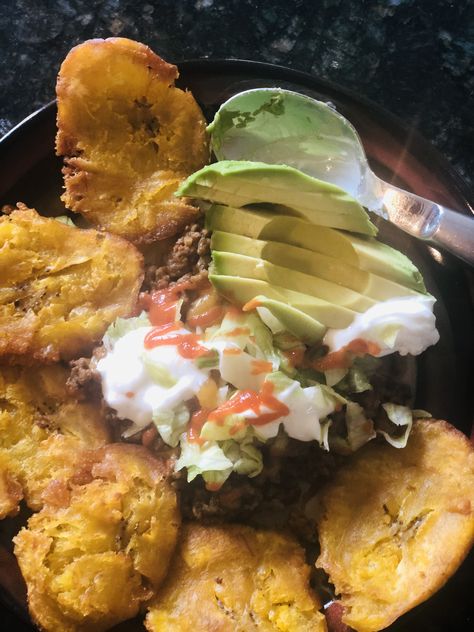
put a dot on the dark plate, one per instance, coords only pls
(31, 174)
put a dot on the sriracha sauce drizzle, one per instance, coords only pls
(162, 305)
(342, 359)
(251, 400)
(162, 311)
(187, 344)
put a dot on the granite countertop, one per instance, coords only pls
(413, 57)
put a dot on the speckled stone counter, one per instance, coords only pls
(413, 57)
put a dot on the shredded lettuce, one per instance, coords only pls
(245, 456)
(233, 444)
(332, 395)
(359, 430)
(263, 346)
(325, 425)
(271, 321)
(158, 372)
(171, 424)
(253, 336)
(215, 462)
(419, 413)
(334, 376)
(286, 341)
(357, 377)
(232, 322)
(354, 381)
(238, 370)
(122, 326)
(244, 332)
(206, 460)
(233, 427)
(402, 417)
(308, 377)
(210, 361)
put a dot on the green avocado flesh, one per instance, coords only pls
(364, 253)
(312, 263)
(242, 290)
(282, 317)
(239, 183)
(230, 264)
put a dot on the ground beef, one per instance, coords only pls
(84, 381)
(293, 472)
(188, 259)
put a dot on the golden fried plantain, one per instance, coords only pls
(91, 557)
(43, 433)
(397, 523)
(60, 286)
(235, 579)
(129, 138)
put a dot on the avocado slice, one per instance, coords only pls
(230, 264)
(242, 291)
(313, 263)
(239, 183)
(387, 262)
(365, 253)
(267, 225)
(281, 317)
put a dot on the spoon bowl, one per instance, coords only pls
(280, 126)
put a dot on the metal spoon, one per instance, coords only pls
(283, 127)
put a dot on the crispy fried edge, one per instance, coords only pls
(20, 352)
(448, 570)
(66, 142)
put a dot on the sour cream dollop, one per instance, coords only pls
(128, 383)
(406, 325)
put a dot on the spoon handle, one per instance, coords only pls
(427, 220)
(456, 233)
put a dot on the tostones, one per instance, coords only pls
(129, 137)
(396, 523)
(44, 433)
(234, 579)
(60, 286)
(99, 549)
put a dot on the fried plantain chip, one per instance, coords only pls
(60, 286)
(236, 578)
(396, 523)
(92, 558)
(129, 138)
(44, 433)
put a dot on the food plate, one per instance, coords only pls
(32, 174)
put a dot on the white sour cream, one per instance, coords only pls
(406, 325)
(307, 406)
(128, 386)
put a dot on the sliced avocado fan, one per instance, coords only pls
(231, 264)
(361, 252)
(243, 290)
(313, 263)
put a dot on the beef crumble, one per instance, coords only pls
(84, 380)
(188, 260)
(292, 474)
